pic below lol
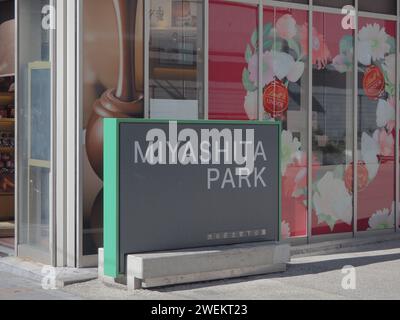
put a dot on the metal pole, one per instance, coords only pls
(355, 147)
(310, 128)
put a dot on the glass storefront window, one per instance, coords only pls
(332, 125)
(176, 91)
(377, 124)
(113, 87)
(176, 61)
(233, 61)
(35, 127)
(285, 98)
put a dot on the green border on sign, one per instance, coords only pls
(111, 197)
(111, 183)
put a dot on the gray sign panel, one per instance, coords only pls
(188, 185)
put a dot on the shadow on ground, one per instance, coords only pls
(298, 268)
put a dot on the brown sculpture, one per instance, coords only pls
(125, 101)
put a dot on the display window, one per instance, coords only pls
(332, 125)
(176, 60)
(285, 98)
(377, 124)
(181, 60)
(233, 61)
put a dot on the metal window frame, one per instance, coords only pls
(355, 126)
(397, 189)
(16, 156)
(82, 261)
(309, 125)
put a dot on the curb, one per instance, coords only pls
(328, 247)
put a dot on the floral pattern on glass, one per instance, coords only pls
(284, 86)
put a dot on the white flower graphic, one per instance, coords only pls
(370, 149)
(250, 105)
(373, 39)
(290, 150)
(382, 219)
(364, 53)
(296, 71)
(385, 113)
(343, 63)
(332, 201)
(275, 64)
(282, 64)
(286, 27)
(390, 67)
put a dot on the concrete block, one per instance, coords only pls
(189, 266)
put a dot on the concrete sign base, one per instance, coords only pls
(153, 270)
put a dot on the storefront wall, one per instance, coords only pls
(201, 60)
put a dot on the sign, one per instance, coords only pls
(182, 185)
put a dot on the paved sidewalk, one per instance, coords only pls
(318, 277)
(16, 288)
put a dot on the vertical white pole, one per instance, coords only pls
(206, 57)
(16, 156)
(310, 121)
(355, 146)
(260, 58)
(60, 133)
(71, 147)
(397, 152)
(146, 4)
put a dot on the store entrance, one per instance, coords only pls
(7, 126)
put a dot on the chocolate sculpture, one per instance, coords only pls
(125, 101)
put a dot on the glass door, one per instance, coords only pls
(34, 142)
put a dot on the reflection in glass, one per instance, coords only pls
(38, 221)
(176, 59)
(332, 125)
(34, 129)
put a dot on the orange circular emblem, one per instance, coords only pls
(362, 177)
(276, 98)
(373, 82)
